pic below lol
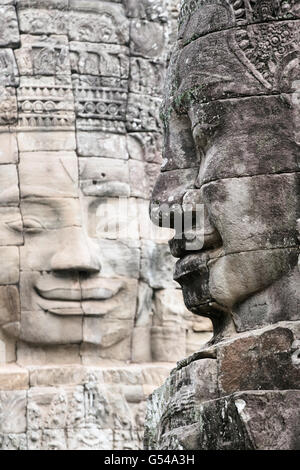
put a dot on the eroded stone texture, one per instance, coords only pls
(80, 149)
(231, 150)
(76, 407)
(229, 184)
(81, 85)
(243, 421)
(222, 398)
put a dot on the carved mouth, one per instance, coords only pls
(78, 294)
(63, 311)
(195, 263)
(192, 274)
(65, 301)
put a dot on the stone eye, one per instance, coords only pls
(31, 225)
(15, 225)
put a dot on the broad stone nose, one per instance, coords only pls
(179, 171)
(168, 195)
(176, 204)
(194, 230)
(76, 253)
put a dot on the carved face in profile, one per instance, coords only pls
(232, 152)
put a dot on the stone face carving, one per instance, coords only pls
(83, 272)
(230, 115)
(81, 147)
(231, 164)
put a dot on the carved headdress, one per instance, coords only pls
(259, 33)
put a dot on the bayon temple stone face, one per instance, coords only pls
(86, 280)
(231, 118)
(82, 271)
(231, 173)
(86, 288)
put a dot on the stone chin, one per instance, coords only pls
(244, 288)
(50, 330)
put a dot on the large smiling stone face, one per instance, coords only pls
(232, 153)
(84, 273)
(73, 278)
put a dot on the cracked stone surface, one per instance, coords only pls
(80, 88)
(83, 268)
(241, 393)
(75, 407)
(231, 164)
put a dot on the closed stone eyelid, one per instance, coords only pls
(20, 226)
(32, 219)
(13, 224)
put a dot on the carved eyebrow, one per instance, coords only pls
(203, 78)
(200, 82)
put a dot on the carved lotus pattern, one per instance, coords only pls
(269, 51)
